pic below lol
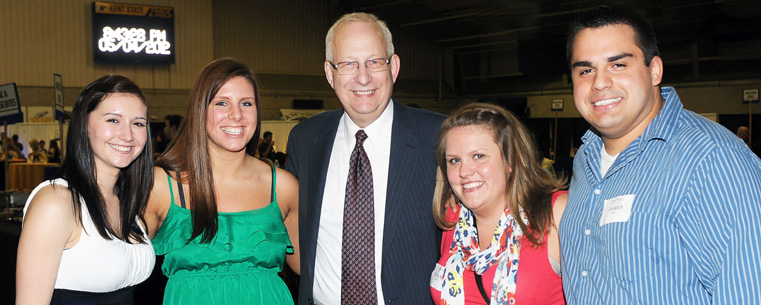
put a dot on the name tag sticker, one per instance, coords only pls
(617, 209)
(437, 277)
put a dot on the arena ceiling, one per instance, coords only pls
(700, 40)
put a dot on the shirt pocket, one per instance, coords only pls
(634, 249)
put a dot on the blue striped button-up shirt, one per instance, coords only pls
(693, 234)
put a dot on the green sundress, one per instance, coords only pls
(239, 266)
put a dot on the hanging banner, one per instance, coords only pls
(298, 114)
(58, 103)
(10, 107)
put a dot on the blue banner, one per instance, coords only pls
(10, 106)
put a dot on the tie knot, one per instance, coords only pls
(361, 137)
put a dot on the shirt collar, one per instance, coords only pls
(663, 125)
(376, 131)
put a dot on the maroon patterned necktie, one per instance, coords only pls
(358, 248)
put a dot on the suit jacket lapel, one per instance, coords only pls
(323, 145)
(401, 169)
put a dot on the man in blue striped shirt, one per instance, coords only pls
(664, 204)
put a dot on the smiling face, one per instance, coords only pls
(613, 89)
(117, 131)
(364, 95)
(231, 116)
(476, 170)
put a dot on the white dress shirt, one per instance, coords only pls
(327, 269)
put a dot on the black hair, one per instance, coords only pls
(606, 15)
(134, 182)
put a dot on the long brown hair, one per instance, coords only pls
(528, 187)
(189, 152)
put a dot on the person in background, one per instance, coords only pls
(83, 239)
(500, 244)
(280, 159)
(546, 164)
(664, 204)
(366, 228)
(158, 143)
(172, 124)
(54, 153)
(10, 151)
(165, 136)
(225, 220)
(36, 155)
(42, 147)
(742, 133)
(267, 147)
(16, 143)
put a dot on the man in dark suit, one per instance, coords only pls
(361, 66)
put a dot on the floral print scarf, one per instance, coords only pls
(464, 253)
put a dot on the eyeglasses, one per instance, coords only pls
(351, 67)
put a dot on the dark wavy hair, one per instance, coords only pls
(528, 187)
(134, 182)
(605, 15)
(189, 152)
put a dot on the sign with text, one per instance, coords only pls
(133, 33)
(557, 105)
(10, 107)
(58, 102)
(750, 96)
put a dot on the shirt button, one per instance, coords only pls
(587, 232)
(228, 247)
(597, 192)
(584, 273)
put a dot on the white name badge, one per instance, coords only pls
(437, 277)
(617, 209)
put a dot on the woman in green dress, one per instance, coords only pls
(225, 220)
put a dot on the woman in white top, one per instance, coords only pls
(83, 239)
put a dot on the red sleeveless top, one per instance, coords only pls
(536, 283)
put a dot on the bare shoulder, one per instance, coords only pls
(158, 202)
(49, 228)
(50, 215)
(160, 192)
(285, 179)
(559, 207)
(287, 185)
(55, 199)
(160, 181)
(287, 191)
(553, 242)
